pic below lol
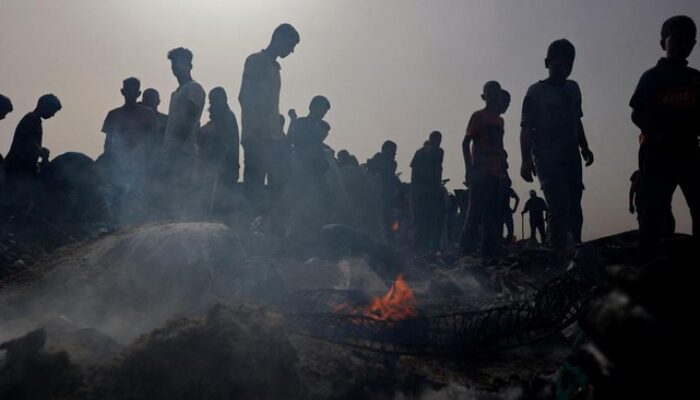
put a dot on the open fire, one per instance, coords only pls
(397, 304)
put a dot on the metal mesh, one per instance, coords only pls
(469, 328)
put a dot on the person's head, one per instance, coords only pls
(284, 40)
(151, 98)
(491, 94)
(505, 101)
(47, 106)
(435, 138)
(533, 194)
(560, 59)
(319, 106)
(678, 37)
(5, 106)
(389, 149)
(180, 62)
(131, 90)
(343, 157)
(218, 101)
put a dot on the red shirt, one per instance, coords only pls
(486, 129)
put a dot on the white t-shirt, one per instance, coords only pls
(181, 131)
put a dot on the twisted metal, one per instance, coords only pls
(472, 328)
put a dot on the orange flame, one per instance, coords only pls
(397, 304)
(395, 226)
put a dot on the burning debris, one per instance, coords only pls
(397, 304)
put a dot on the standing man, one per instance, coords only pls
(427, 191)
(178, 164)
(263, 138)
(23, 161)
(383, 165)
(506, 193)
(129, 133)
(537, 208)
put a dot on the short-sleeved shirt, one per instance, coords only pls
(426, 168)
(26, 146)
(307, 136)
(260, 98)
(486, 129)
(181, 131)
(129, 129)
(536, 207)
(553, 112)
(669, 94)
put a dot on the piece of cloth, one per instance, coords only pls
(259, 98)
(184, 113)
(486, 129)
(553, 112)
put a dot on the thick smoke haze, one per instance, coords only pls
(391, 69)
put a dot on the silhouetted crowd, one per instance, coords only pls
(158, 166)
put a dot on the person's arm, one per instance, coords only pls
(586, 152)
(526, 209)
(517, 202)
(640, 103)
(527, 166)
(252, 83)
(527, 124)
(466, 153)
(633, 192)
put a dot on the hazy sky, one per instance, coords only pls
(393, 69)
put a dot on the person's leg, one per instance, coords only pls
(475, 212)
(253, 170)
(540, 227)
(575, 183)
(556, 192)
(492, 223)
(690, 185)
(656, 187)
(509, 226)
(533, 230)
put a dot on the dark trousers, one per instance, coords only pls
(562, 184)
(507, 218)
(428, 219)
(661, 170)
(537, 225)
(483, 212)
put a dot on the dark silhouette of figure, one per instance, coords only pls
(506, 194)
(484, 165)
(218, 148)
(265, 149)
(666, 107)
(383, 164)
(552, 142)
(427, 193)
(537, 208)
(306, 135)
(345, 158)
(151, 99)
(5, 106)
(130, 131)
(636, 204)
(178, 163)
(27, 156)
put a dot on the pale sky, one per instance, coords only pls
(392, 69)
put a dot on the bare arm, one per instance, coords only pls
(466, 153)
(586, 153)
(527, 168)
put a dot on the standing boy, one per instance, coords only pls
(552, 142)
(666, 107)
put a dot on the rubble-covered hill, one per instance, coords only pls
(136, 314)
